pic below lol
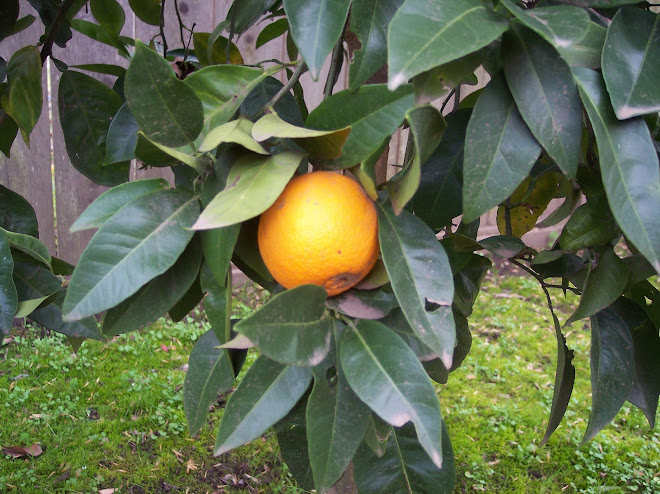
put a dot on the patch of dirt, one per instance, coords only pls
(227, 476)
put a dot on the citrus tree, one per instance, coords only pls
(373, 283)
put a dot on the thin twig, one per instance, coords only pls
(183, 43)
(162, 28)
(333, 74)
(47, 49)
(564, 287)
(541, 282)
(444, 103)
(300, 70)
(457, 99)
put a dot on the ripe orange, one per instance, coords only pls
(322, 230)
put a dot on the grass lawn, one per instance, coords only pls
(111, 417)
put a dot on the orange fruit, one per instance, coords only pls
(322, 230)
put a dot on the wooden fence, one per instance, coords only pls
(43, 173)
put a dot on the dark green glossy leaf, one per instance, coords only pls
(237, 131)
(8, 128)
(50, 316)
(648, 297)
(98, 33)
(319, 144)
(612, 369)
(157, 297)
(590, 225)
(23, 100)
(420, 273)
(87, 107)
(499, 151)
(563, 26)
(154, 230)
(185, 155)
(316, 25)
(292, 439)
(631, 62)
(376, 278)
(435, 368)
(629, 167)
(566, 265)
(217, 304)
(572, 195)
(167, 109)
(405, 467)
(397, 322)
(364, 304)
(439, 198)
(260, 96)
(505, 246)
(646, 342)
(222, 89)
(102, 68)
(109, 14)
(147, 10)
(34, 281)
(603, 286)
(599, 3)
(586, 52)
(336, 422)
(386, 375)
(372, 112)
(365, 172)
(254, 183)
(427, 126)
(292, 327)
(209, 373)
(23, 23)
(564, 380)
(265, 395)
(272, 31)
(468, 281)
(424, 34)
(435, 83)
(217, 54)
(16, 214)
(122, 137)
(545, 94)
(8, 17)
(111, 201)
(29, 245)
(48, 10)
(377, 435)
(8, 296)
(248, 258)
(369, 21)
(245, 13)
(190, 299)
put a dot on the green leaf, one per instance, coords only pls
(218, 52)
(16, 214)
(386, 375)
(8, 128)
(102, 68)
(320, 144)
(316, 26)
(631, 62)
(111, 201)
(254, 183)
(29, 245)
(612, 369)
(628, 165)
(265, 395)
(369, 21)
(154, 230)
(183, 155)
(505, 246)
(217, 303)
(363, 304)
(122, 137)
(291, 434)
(8, 296)
(23, 23)
(222, 89)
(372, 112)
(439, 198)
(437, 82)
(34, 281)
(586, 52)
(50, 316)
(157, 297)
(272, 31)
(23, 100)
(545, 94)
(245, 13)
(405, 468)
(564, 380)
(262, 94)
(365, 172)
(427, 126)
(420, 273)
(188, 301)
(590, 225)
(292, 327)
(248, 258)
(109, 14)
(603, 286)
(167, 109)
(336, 422)
(87, 106)
(646, 386)
(499, 151)
(468, 281)
(572, 196)
(209, 373)
(97, 33)
(238, 131)
(8, 16)
(599, 3)
(562, 26)
(424, 34)
(147, 10)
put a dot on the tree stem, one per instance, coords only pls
(162, 29)
(300, 70)
(333, 74)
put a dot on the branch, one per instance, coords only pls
(162, 30)
(333, 74)
(300, 70)
(47, 49)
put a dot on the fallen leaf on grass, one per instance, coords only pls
(20, 452)
(107, 491)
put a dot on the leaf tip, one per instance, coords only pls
(395, 81)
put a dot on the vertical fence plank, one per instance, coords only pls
(73, 191)
(28, 170)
